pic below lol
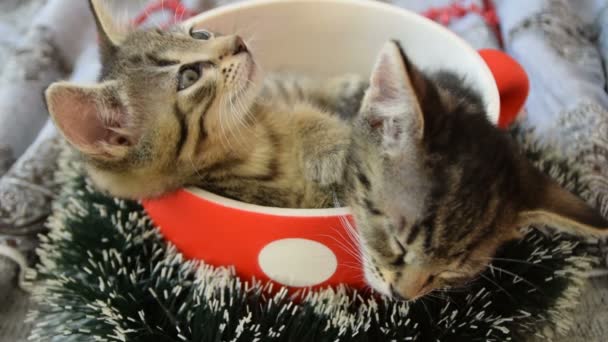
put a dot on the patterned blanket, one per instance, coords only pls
(566, 110)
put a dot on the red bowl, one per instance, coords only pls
(313, 247)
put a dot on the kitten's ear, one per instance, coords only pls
(560, 209)
(395, 91)
(92, 118)
(110, 33)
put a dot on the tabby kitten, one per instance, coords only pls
(435, 188)
(187, 107)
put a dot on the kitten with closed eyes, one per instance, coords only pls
(188, 107)
(435, 188)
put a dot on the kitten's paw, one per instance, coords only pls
(326, 169)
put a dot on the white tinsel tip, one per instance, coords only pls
(85, 285)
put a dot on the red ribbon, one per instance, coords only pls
(179, 11)
(446, 14)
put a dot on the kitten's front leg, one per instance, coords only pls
(325, 142)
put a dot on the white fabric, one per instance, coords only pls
(565, 70)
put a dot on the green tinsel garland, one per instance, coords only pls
(105, 274)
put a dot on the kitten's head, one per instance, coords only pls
(165, 106)
(436, 189)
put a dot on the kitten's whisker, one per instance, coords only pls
(238, 101)
(224, 140)
(457, 289)
(234, 112)
(355, 244)
(245, 112)
(352, 267)
(351, 263)
(196, 171)
(519, 261)
(349, 252)
(220, 121)
(354, 235)
(472, 281)
(354, 239)
(230, 119)
(343, 246)
(351, 244)
(240, 118)
(348, 239)
(449, 299)
(435, 298)
(340, 244)
(350, 229)
(468, 284)
(517, 276)
(498, 286)
(426, 309)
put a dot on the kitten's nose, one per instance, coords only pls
(239, 46)
(395, 294)
(414, 283)
(405, 294)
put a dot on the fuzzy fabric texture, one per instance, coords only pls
(579, 124)
(106, 274)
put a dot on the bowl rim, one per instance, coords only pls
(260, 209)
(491, 97)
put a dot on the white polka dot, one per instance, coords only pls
(297, 262)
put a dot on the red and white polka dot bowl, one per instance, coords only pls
(311, 248)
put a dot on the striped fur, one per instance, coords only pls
(270, 141)
(435, 188)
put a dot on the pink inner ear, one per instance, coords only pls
(388, 81)
(84, 126)
(383, 79)
(84, 123)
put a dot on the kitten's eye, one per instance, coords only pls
(200, 34)
(187, 77)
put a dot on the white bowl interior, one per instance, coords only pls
(333, 37)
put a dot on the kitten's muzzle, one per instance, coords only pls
(413, 284)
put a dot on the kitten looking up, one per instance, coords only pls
(182, 107)
(435, 188)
